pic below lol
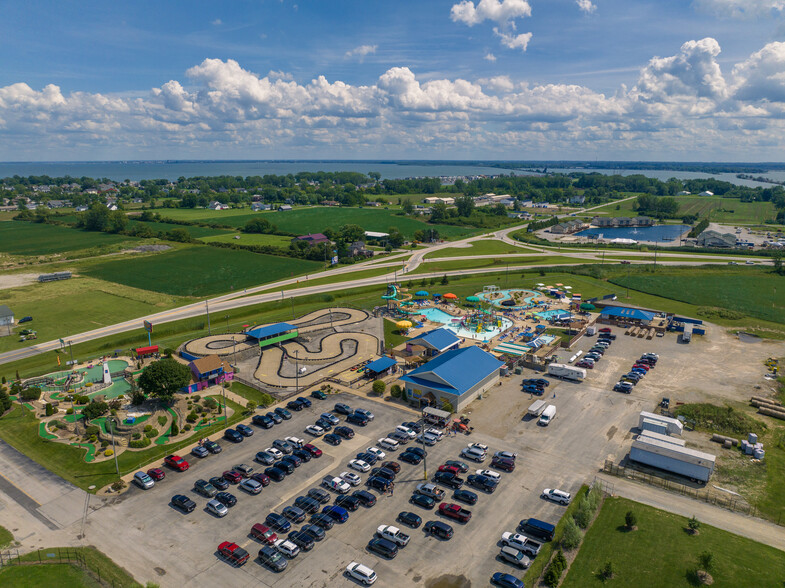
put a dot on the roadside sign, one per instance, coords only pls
(148, 326)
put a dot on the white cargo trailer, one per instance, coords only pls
(567, 372)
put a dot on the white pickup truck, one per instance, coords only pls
(336, 484)
(393, 534)
(431, 490)
(521, 543)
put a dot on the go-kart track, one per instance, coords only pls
(331, 344)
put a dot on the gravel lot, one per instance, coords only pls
(158, 543)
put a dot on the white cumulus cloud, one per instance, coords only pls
(586, 6)
(498, 11)
(489, 57)
(361, 51)
(512, 41)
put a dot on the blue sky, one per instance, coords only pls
(368, 79)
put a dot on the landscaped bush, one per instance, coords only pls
(151, 434)
(95, 410)
(196, 397)
(175, 430)
(162, 420)
(555, 569)
(139, 443)
(108, 453)
(572, 535)
(104, 443)
(187, 428)
(148, 428)
(30, 394)
(136, 435)
(396, 391)
(82, 399)
(192, 418)
(92, 430)
(69, 411)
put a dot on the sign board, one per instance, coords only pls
(334, 260)
(148, 326)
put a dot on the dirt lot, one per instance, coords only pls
(143, 533)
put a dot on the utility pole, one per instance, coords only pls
(296, 371)
(422, 442)
(227, 323)
(207, 306)
(292, 299)
(114, 451)
(71, 350)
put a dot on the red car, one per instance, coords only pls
(450, 469)
(233, 553)
(643, 366)
(585, 364)
(176, 463)
(605, 330)
(264, 533)
(156, 474)
(263, 479)
(313, 449)
(454, 511)
(504, 464)
(233, 477)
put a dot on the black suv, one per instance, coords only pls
(383, 547)
(351, 503)
(448, 479)
(269, 556)
(341, 408)
(365, 497)
(384, 473)
(482, 482)
(322, 520)
(302, 540)
(184, 503)
(321, 496)
(357, 419)
(345, 432)
(306, 503)
(278, 522)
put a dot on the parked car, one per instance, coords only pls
(359, 465)
(585, 363)
(325, 425)
(263, 533)
(508, 580)
(341, 408)
(625, 387)
(233, 477)
(283, 446)
(184, 503)
(363, 574)
(276, 418)
(275, 473)
(383, 547)
(410, 457)
(410, 519)
(449, 479)
(465, 496)
(314, 531)
(320, 495)
(205, 488)
(439, 529)
(156, 474)
(263, 479)
(376, 452)
(25, 319)
(351, 478)
(278, 522)
(399, 438)
(314, 430)
(313, 450)
(226, 498)
(302, 540)
(338, 514)
(212, 446)
(244, 469)
(416, 427)
(345, 432)
(357, 419)
(302, 455)
(251, 486)
(473, 454)
(319, 395)
(482, 482)
(233, 436)
(176, 463)
(503, 463)
(283, 413)
(363, 412)
(295, 405)
(378, 483)
(455, 512)
(286, 466)
(265, 458)
(332, 439)
(423, 501)
(350, 503)
(216, 508)
(244, 430)
(388, 444)
(515, 557)
(294, 513)
(459, 465)
(293, 460)
(322, 520)
(219, 482)
(262, 420)
(272, 558)
(307, 504)
(233, 553)
(384, 473)
(556, 495)
(287, 548)
(199, 451)
(366, 498)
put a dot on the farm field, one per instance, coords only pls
(249, 238)
(481, 247)
(756, 294)
(200, 270)
(67, 307)
(738, 561)
(195, 232)
(717, 209)
(24, 238)
(318, 218)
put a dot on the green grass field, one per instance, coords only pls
(756, 294)
(200, 270)
(250, 239)
(6, 538)
(458, 264)
(717, 209)
(661, 554)
(195, 232)
(23, 238)
(318, 218)
(481, 247)
(35, 576)
(64, 308)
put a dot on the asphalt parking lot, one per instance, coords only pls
(592, 423)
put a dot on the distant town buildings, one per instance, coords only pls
(622, 221)
(568, 227)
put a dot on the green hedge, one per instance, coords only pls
(538, 565)
(139, 443)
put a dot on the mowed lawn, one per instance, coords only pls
(661, 554)
(318, 218)
(23, 238)
(83, 303)
(195, 232)
(36, 576)
(755, 293)
(480, 247)
(200, 270)
(500, 263)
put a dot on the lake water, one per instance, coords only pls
(653, 234)
(171, 170)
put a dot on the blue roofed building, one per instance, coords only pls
(625, 315)
(435, 342)
(457, 376)
(271, 334)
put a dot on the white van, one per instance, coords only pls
(547, 416)
(406, 431)
(388, 444)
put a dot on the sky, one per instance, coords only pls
(659, 80)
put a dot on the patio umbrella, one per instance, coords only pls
(421, 293)
(404, 324)
(588, 306)
(560, 284)
(540, 284)
(472, 299)
(437, 295)
(450, 295)
(568, 287)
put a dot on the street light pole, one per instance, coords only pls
(227, 323)
(424, 458)
(207, 306)
(296, 371)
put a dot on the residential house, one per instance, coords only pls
(6, 316)
(373, 203)
(358, 249)
(706, 193)
(312, 239)
(257, 206)
(577, 199)
(82, 208)
(285, 207)
(215, 205)
(330, 203)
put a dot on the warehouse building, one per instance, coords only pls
(456, 377)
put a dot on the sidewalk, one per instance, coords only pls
(733, 522)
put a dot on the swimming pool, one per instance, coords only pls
(453, 323)
(437, 315)
(530, 296)
(553, 314)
